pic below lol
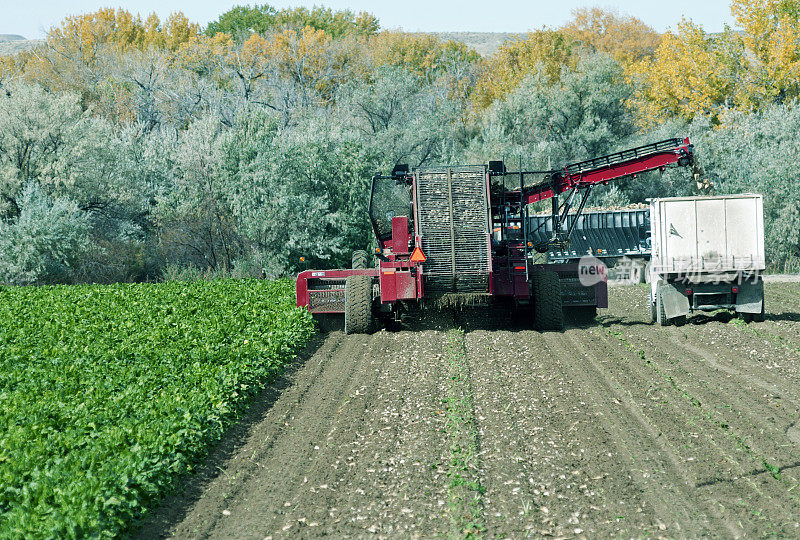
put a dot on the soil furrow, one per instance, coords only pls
(469, 424)
(657, 469)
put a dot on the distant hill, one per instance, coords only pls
(485, 43)
(13, 44)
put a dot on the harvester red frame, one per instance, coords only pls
(400, 275)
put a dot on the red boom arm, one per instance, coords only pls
(612, 167)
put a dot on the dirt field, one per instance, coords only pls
(462, 424)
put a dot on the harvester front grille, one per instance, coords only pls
(326, 301)
(453, 214)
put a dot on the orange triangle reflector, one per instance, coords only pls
(418, 255)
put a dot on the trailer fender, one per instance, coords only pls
(676, 304)
(750, 298)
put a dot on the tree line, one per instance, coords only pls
(133, 148)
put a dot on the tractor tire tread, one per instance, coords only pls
(548, 312)
(359, 260)
(358, 318)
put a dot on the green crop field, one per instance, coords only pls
(109, 393)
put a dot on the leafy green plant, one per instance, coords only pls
(109, 393)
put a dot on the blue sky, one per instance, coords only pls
(32, 18)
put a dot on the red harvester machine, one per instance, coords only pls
(462, 231)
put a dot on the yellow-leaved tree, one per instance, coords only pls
(304, 58)
(691, 73)
(627, 39)
(771, 39)
(423, 54)
(202, 54)
(549, 50)
(83, 51)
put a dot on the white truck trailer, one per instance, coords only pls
(708, 254)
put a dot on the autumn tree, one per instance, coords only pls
(550, 49)
(11, 69)
(424, 54)
(82, 52)
(771, 39)
(627, 39)
(690, 74)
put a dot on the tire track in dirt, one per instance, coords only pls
(529, 457)
(618, 429)
(667, 484)
(551, 461)
(733, 474)
(741, 416)
(740, 396)
(661, 401)
(738, 406)
(772, 408)
(355, 448)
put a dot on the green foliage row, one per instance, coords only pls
(109, 393)
(242, 21)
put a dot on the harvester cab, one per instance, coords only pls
(464, 231)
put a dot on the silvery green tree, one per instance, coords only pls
(37, 131)
(582, 115)
(398, 116)
(45, 241)
(194, 221)
(297, 194)
(50, 141)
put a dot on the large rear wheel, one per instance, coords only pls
(359, 260)
(358, 317)
(548, 313)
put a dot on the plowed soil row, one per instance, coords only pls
(465, 423)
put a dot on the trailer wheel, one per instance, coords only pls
(358, 305)
(759, 317)
(359, 260)
(548, 313)
(661, 315)
(653, 314)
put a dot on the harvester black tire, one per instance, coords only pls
(358, 317)
(653, 314)
(359, 260)
(548, 313)
(661, 315)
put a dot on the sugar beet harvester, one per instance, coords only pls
(464, 231)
